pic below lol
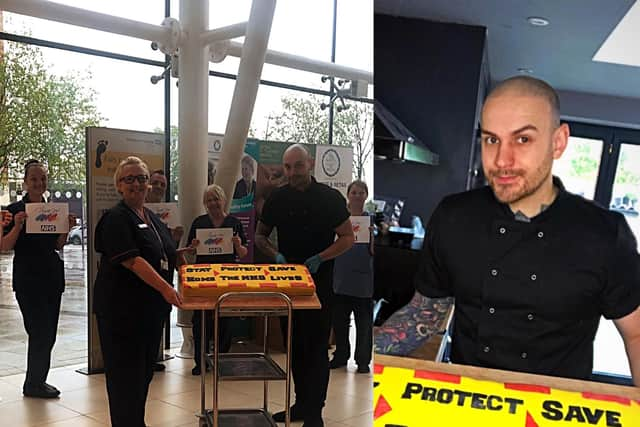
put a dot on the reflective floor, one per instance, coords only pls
(174, 399)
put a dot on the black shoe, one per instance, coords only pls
(44, 391)
(315, 421)
(196, 370)
(363, 369)
(335, 363)
(52, 388)
(159, 367)
(295, 414)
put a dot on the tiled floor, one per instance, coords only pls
(174, 398)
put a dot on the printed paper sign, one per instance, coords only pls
(47, 218)
(361, 228)
(214, 241)
(406, 397)
(168, 213)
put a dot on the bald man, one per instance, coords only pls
(531, 267)
(307, 216)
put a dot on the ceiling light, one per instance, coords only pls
(523, 70)
(538, 21)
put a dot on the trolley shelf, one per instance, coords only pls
(248, 367)
(242, 417)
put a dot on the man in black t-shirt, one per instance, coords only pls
(307, 216)
(531, 266)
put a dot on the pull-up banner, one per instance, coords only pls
(416, 398)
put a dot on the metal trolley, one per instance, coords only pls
(246, 366)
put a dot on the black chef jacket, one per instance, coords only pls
(37, 267)
(120, 235)
(305, 220)
(529, 296)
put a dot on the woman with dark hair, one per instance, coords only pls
(132, 294)
(353, 288)
(38, 281)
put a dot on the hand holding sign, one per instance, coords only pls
(20, 218)
(5, 218)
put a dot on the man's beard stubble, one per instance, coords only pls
(524, 186)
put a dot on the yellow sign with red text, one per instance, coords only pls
(417, 398)
(215, 279)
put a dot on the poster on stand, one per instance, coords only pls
(105, 149)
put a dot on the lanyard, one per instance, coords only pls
(165, 259)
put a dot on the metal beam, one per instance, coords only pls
(224, 33)
(88, 19)
(305, 64)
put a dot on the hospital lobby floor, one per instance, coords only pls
(174, 398)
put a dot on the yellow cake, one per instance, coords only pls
(213, 280)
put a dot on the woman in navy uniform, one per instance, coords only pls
(132, 293)
(215, 200)
(38, 290)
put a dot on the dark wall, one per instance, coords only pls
(428, 75)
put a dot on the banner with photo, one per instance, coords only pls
(105, 149)
(243, 197)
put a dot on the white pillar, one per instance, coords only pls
(193, 95)
(244, 94)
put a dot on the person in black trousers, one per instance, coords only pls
(353, 289)
(308, 216)
(214, 201)
(38, 290)
(132, 295)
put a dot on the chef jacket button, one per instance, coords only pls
(530, 316)
(486, 349)
(494, 272)
(502, 230)
(523, 355)
(534, 277)
(540, 234)
(492, 310)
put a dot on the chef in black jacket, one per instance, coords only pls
(132, 293)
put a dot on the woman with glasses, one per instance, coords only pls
(38, 281)
(132, 293)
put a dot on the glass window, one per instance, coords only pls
(354, 34)
(626, 186)
(579, 165)
(148, 11)
(609, 352)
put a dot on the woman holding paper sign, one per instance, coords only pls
(132, 293)
(214, 200)
(353, 288)
(38, 290)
